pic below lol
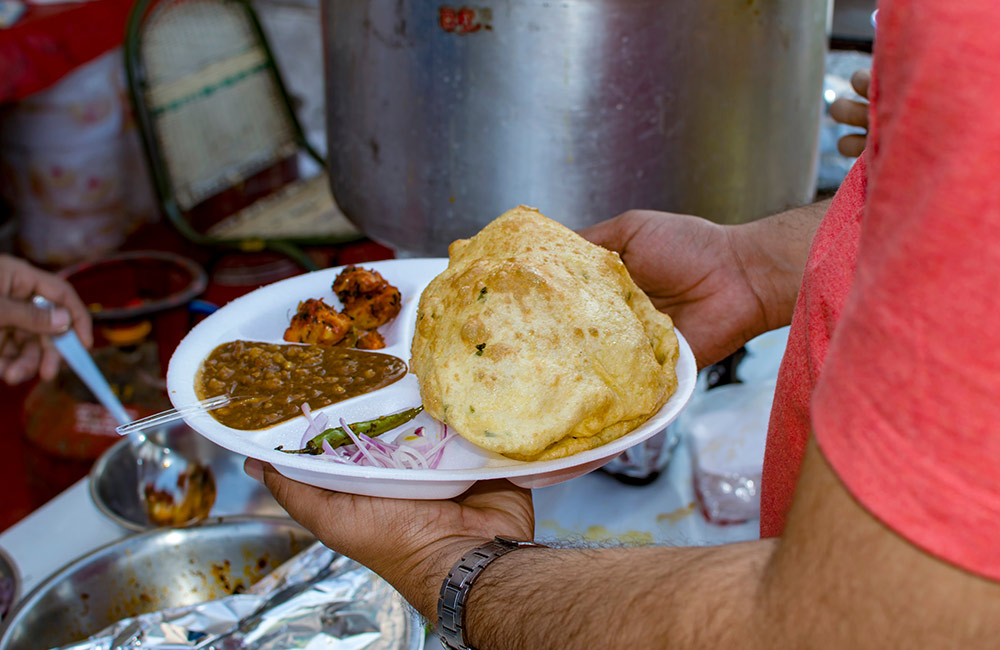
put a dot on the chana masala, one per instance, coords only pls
(281, 377)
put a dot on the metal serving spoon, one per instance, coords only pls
(174, 489)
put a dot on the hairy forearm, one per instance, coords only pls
(772, 252)
(659, 597)
(838, 578)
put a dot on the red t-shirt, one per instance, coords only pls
(896, 326)
(825, 285)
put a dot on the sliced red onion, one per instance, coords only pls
(316, 426)
(403, 452)
(357, 441)
(419, 452)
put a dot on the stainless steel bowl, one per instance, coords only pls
(10, 584)
(150, 571)
(114, 480)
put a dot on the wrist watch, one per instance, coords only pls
(455, 589)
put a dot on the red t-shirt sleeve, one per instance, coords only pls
(907, 409)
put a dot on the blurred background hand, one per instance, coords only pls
(853, 112)
(25, 347)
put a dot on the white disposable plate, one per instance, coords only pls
(263, 315)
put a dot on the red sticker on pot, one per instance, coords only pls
(465, 20)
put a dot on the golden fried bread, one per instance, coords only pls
(536, 344)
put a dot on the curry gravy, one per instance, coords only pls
(282, 377)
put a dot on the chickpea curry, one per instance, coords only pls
(281, 377)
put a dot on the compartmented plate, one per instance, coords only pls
(263, 315)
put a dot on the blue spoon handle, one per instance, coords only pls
(83, 365)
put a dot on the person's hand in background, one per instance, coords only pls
(25, 347)
(853, 112)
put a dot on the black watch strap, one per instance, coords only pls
(455, 589)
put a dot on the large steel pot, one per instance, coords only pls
(441, 117)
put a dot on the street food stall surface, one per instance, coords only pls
(594, 509)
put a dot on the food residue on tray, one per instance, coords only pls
(221, 573)
(198, 487)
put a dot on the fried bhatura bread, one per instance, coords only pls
(536, 344)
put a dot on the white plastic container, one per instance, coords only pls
(71, 166)
(726, 428)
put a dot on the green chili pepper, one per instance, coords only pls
(337, 437)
